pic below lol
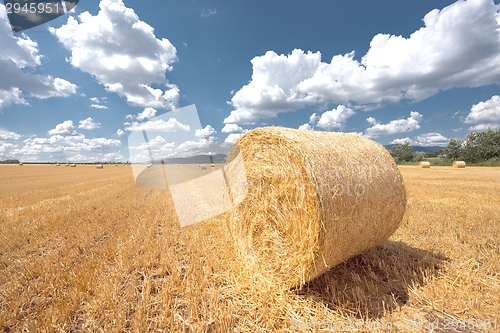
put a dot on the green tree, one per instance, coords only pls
(419, 156)
(481, 146)
(454, 149)
(402, 153)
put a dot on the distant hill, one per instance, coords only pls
(430, 149)
(221, 158)
(198, 159)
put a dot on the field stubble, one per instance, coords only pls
(83, 249)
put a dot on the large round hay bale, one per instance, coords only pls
(21, 164)
(459, 164)
(425, 164)
(73, 165)
(99, 166)
(315, 199)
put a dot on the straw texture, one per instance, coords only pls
(459, 164)
(315, 199)
(425, 165)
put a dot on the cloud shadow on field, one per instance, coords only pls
(376, 282)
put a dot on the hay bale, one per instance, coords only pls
(425, 165)
(73, 165)
(203, 166)
(99, 166)
(21, 164)
(315, 199)
(459, 164)
(58, 164)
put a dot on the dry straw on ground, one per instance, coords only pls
(459, 164)
(425, 165)
(315, 199)
(86, 251)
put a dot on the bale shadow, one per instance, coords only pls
(376, 282)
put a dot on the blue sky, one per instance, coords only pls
(74, 88)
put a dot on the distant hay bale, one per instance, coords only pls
(315, 199)
(99, 166)
(21, 164)
(67, 164)
(149, 165)
(116, 164)
(459, 164)
(425, 165)
(58, 164)
(203, 166)
(73, 165)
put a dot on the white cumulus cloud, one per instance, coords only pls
(401, 141)
(18, 59)
(458, 46)
(335, 118)
(98, 106)
(431, 139)
(394, 126)
(148, 113)
(485, 114)
(231, 138)
(231, 128)
(63, 147)
(172, 125)
(313, 119)
(189, 144)
(8, 135)
(64, 128)
(122, 53)
(89, 124)
(207, 131)
(305, 127)
(424, 140)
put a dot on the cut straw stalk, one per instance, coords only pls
(315, 199)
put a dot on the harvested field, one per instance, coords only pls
(87, 250)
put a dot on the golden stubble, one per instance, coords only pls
(86, 250)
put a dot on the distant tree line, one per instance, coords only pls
(9, 162)
(477, 147)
